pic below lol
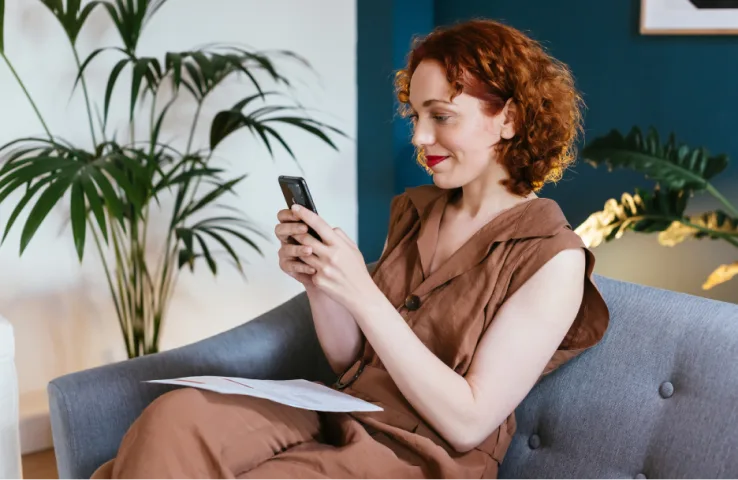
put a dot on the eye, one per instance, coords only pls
(413, 117)
(441, 118)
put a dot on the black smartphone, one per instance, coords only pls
(295, 190)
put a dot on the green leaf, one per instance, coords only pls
(216, 220)
(228, 121)
(121, 178)
(130, 19)
(96, 204)
(310, 126)
(111, 86)
(79, 217)
(206, 254)
(184, 234)
(37, 167)
(224, 124)
(199, 81)
(227, 247)
(643, 212)
(239, 235)
(44, 204)
(173, 62)
(187, 257)
(187, 176)
(110, 198)
(211, 196)
(207, 68)
(674, 166)
(2, 26)
(72, 20)
(157, 128)
(23, 202)
(89, 60)
(138, 74)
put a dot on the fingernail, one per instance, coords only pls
(295, 208)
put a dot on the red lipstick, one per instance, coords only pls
(433, 160)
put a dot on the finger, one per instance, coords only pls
(313, 261)
(341, 234)
(309, 241)
(294, 251)
(287, 216)
(286, 230)
(314, 220)
(294, 266)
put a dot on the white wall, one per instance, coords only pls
(61, 311)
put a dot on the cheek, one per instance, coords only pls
(467, 142)
(448, 138)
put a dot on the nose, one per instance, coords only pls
(423, 134)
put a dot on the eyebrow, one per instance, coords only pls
(431, 101)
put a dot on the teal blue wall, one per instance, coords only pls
(385, 32)
(682, 84)
(375, 158)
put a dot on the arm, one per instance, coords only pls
(338, 334)
(513, 352)
(340, 337)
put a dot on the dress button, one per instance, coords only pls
(640, 475)
(534, 441)
(666, 390)
(412, 302)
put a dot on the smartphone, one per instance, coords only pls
(295, 190)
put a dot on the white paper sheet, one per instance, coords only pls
(295, 393)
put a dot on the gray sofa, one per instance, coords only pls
(658, 398)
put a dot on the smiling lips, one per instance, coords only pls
(433, 160)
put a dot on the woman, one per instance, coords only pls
(482, 289)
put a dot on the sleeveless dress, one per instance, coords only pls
(190, 432)
(450, 310)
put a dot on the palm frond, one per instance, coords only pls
(262, 122)
(2, 26)
(73, 18)
(130, 17)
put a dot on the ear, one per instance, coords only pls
(508, 113)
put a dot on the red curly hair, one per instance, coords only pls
(494, 62)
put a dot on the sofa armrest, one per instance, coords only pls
(92, 410)
(10, 464)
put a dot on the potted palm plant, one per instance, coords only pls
(680, 172)
(120, 183)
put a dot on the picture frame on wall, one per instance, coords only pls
(689, 17)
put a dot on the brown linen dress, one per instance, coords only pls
(194, 433)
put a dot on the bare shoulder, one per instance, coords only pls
(568, 263)
(556, 287)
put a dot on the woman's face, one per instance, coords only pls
(457, 137)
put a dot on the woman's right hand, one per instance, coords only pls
(289, 252)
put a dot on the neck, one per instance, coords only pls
(485, 197)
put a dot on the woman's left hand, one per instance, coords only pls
(340, 267)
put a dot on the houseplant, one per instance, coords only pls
(680, 172)
(119, 184)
